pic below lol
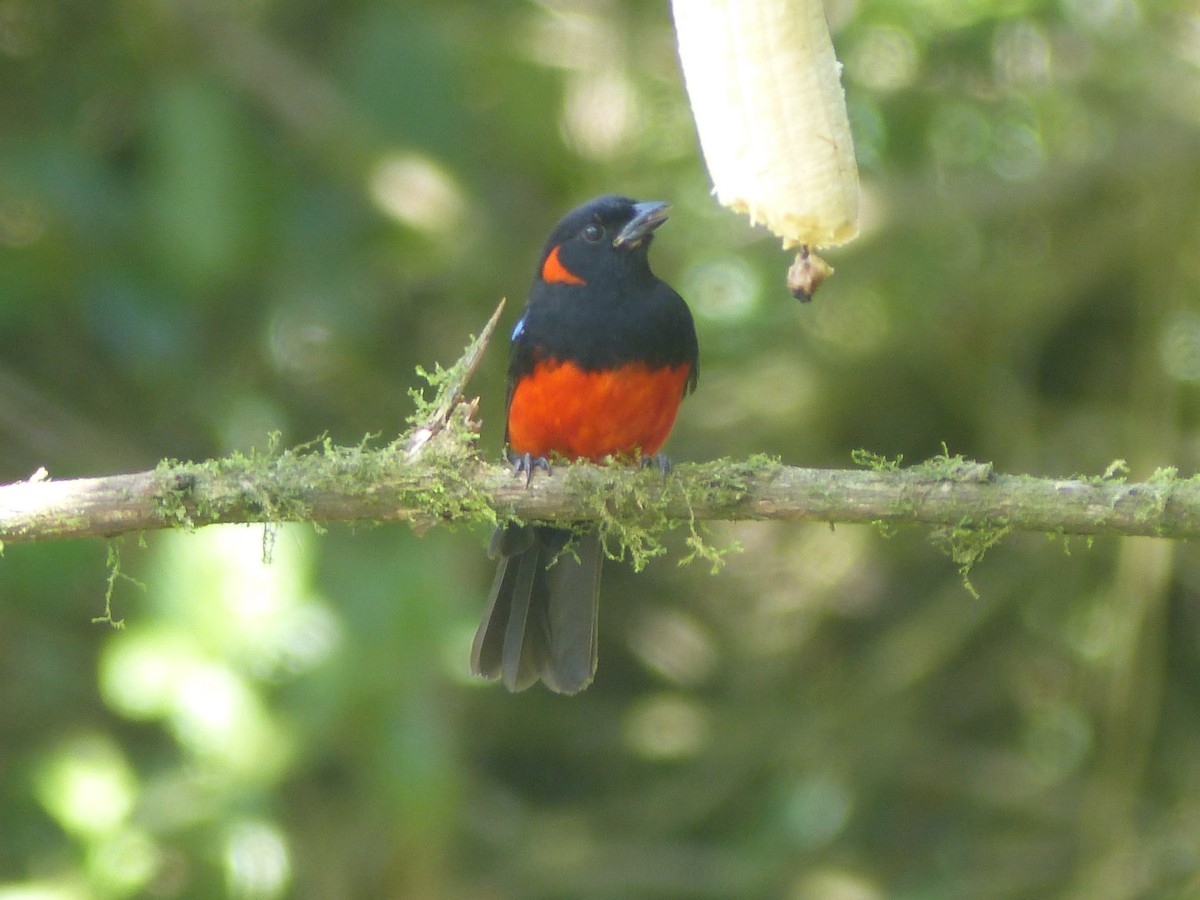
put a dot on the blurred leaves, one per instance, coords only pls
(219, 219)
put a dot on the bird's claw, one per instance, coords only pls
(659, 461)
(527, 462)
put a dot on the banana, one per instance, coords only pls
(766, 93)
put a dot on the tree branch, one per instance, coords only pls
(433, 473)
(328, 483)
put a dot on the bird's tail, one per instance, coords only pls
(540, 620)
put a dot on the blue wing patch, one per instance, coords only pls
(518, 329)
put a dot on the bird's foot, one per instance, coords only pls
(659, 461)
(527, 462)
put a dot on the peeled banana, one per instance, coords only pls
(766, 93)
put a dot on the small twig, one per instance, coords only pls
(450, 390)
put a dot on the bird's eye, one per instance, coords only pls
(593, 233)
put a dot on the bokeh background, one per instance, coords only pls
(219, 219)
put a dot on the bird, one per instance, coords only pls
(601, 357)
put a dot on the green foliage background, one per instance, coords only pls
(219, 219)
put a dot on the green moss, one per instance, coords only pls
(635, 513)
(718, 485)
(629, 512)
(966, 544)
(724, 483)
(1117, 471)
(886, 528)
(1164, 475)
(905, 506)
(114, 576)
(273, 485)
(876, 462)
(945, 467)
(1154, 499)
(701, 548)
(171, 500)
(442, 381)
(259, 486)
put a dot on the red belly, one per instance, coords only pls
(560, 408)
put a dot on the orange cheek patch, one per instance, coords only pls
(560, 408)
(554, 272)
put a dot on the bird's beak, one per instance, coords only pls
(646, 217)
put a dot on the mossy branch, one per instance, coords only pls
(433, 474)
(327, 484)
